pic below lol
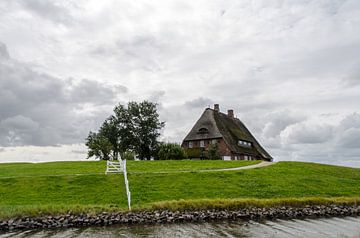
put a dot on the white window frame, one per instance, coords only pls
(202, 143)
(191, 144)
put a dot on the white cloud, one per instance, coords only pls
(304, 133)
(39, 109)
(281, 65)
(38, 154)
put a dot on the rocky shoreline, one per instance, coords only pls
(166, 216)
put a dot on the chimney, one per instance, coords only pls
(231, 113)
(216, 107)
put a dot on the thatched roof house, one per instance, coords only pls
(233, 139)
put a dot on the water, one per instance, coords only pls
(317, 228)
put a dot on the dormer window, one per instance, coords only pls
(203, 130)
(244, 143)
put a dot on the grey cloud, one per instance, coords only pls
(39, 109)
(309, 134)
(146, 51)
(313, 140)
(200, 102)
(121, 89)
(79, 151)
(349, 132)
(92, 91)
(350, 121)
(156, 96)
(19, 122)
(18, 129)
(353, 79)
(3, 51)
(51, 10)
(350, 139)
(279, 121)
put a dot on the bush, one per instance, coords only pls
(171, 151)
(128, 155)
(193, 153)
(213, 153)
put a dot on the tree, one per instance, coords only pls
(171, 151)
(132, 128)
(99, 146)
(109, 131)
(213, 153)
(145, 127)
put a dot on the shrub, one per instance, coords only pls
(128, 155)
(193, 153)
(213, 153)
(171, 151)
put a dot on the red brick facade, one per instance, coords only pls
(223, 149)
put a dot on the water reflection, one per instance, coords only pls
(329, 227)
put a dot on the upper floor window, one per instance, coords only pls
(191, 144)
(203, 130)
(244, 143)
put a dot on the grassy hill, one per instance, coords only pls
(83, 186)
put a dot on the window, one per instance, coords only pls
(190, 144)
(214, 141)
(203, 130)
(244, 143)
(202, 143)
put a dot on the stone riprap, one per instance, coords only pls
(166, 216)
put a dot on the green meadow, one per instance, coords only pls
(59, 187)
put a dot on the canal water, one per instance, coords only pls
(324, 227)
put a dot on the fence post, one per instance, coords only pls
(128, 194)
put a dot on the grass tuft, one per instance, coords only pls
(233, 204)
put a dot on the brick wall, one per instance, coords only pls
(222, 147)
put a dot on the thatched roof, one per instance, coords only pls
(232, 130)
(208, 122)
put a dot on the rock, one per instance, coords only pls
(165, 216)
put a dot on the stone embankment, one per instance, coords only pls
(146, 217)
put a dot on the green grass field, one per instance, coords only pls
(33, 188)
(98, 167)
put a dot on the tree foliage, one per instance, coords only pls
(213, 152)
(132, 128)
(99, 146)
(171, 151)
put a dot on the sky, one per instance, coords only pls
(289, 69)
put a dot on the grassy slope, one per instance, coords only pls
(282, 180)
(98, 167)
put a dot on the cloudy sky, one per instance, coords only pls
(289, 69)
